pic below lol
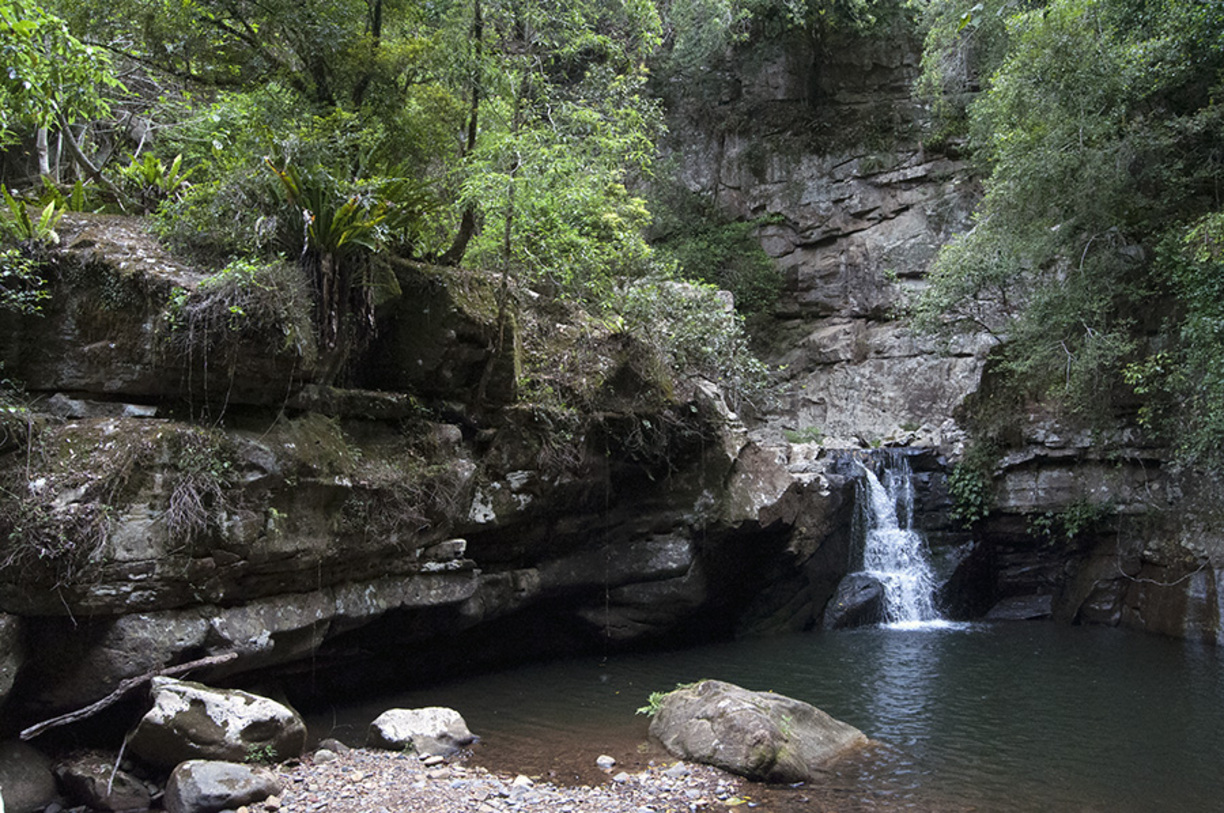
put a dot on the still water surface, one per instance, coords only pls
(1013, 717)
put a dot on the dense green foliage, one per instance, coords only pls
(706, 246)
(1099, 132)
(512, 135)
(50, 77)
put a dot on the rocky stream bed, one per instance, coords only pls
(371, 781)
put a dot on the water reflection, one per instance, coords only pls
(1022, 717)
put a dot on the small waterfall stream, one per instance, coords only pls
(893, 552)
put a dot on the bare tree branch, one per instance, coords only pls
(123, 688)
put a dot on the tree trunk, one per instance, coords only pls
(87, 166)
(40, 147)
(375, 29)
(467, 224)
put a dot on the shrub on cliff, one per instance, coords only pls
(1099, 133)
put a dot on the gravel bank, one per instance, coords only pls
(367, 781)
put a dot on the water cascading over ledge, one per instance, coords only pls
(892, 579)
(894, 553)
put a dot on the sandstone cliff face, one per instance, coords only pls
(827, 144)
(164, 505)
(1100, 528)
(176, 503)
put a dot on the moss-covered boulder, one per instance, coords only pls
(759, 735)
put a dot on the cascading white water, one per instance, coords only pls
(893, 552)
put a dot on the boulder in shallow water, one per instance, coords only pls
(858, 601)
(760, 735)
(204, 786)
(432, 731)
(192, 721)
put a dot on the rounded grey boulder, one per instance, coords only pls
(92, 779)
(192, 721)
(26, 781)
(432, 731)
(204, 786)
(759, 735)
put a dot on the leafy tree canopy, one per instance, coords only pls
(1100, 136)
(48, 75)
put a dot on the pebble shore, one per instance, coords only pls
(369, 781)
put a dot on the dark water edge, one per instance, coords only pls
(1012, 717)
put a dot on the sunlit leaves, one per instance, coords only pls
(46, 72)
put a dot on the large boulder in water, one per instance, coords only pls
(192, 721)
(858, 601)
(203, 786)
(760, 735)
(433, 731)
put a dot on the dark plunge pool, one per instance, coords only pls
(1013, 717)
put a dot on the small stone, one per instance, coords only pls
(677, 771)
(521, 781)
(621, 778)
(332, 744)
(272, 803)
(357, 776)
(325, 755)
(431, 761)
(605, 762)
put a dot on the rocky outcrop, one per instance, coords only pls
(202, 786)
(335, 526)
(859, 601)
(826, 146)
(759, 735)
(432, 731)
(191, 721)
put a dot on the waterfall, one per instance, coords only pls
(893, 552)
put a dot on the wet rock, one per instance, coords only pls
(91, 779)
(858, 601)
(761, 736)
(26, 781)
(428, 731)
(204, 786)
(192, 721)
(1021, 608)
